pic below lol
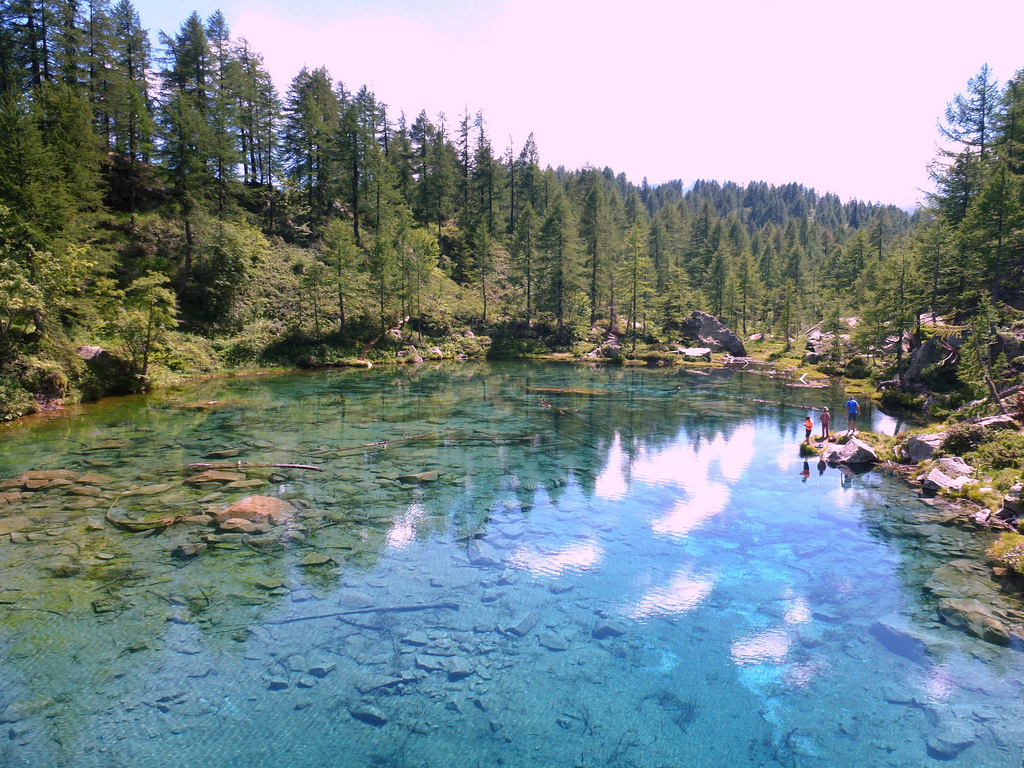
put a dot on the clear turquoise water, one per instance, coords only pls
(643, 575)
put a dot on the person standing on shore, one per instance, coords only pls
(808, 427)
(826, 418)
(852, 410)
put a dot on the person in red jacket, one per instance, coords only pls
(826, 418)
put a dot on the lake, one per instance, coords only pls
(485, 564)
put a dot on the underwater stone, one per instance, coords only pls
(321, 669)
(367, 713)
(431, 663)
(188, 550)
(961, 578)
(215, 476)
(954, 739)
(416, 638)
(553, 642)
(459, 668)
(151, 490)
(315, 558)
(95, 478)
(979, 620)
(258, 509)
(419, 477)
(224, 454)
(606, 628)
(482, 553)
(523, 625)
(83, 504)
(238, 525)
(12, 524)
(898, 637)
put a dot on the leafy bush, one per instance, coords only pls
(857, 368)
(963, 438)
(15, 402)
(1004, 450)
(509, 348)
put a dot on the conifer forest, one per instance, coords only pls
(168, 205)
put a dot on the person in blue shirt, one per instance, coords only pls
(852, 409)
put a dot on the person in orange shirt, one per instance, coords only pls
(808, 426)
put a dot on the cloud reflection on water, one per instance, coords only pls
(578, 556)
(683, 593)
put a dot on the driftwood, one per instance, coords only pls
(247, 465)
(357, 611)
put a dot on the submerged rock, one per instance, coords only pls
(368, 713)
(419, 477)
(258, 509)
(606, 628)
(982, 620)
(897, 635)
(961, 578)
(215, 476)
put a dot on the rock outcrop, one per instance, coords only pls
(918, 448)
(853, 452)
(709, 331)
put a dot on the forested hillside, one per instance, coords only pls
(173, 208)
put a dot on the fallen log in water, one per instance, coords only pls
(356, 611)
(247, 465)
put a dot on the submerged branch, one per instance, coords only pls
(247, 465)
(357, 611)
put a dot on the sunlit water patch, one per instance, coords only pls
(482, 565)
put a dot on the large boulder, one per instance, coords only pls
(710, 332)
(853, 452)
(935, 352)
(954, 466)
(921, 447)
(937, 480)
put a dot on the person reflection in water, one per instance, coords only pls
(805, 472)
(821, 466)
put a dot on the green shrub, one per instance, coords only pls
(1003, 450)
(857, 368)
(963, 438)
(510, 348)
(15, 401)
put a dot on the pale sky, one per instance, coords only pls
(841, 97)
